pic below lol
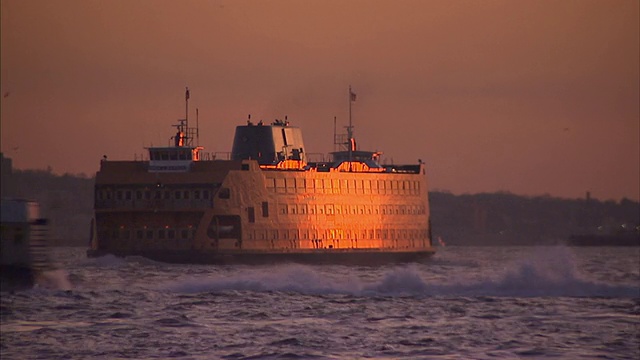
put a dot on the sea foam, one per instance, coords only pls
(550, 272)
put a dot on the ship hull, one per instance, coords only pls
(334, 256)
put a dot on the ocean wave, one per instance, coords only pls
(551, 272)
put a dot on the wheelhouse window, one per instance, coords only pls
(224, 193)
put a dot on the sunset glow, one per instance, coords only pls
(529, 97)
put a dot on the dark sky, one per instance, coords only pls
(531, 97)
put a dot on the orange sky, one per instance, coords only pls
(531, 97)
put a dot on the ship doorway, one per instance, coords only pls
(226, 231)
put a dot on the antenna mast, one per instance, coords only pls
(197, 127)
(186, 113)
(352, 98)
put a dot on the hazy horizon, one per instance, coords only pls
(525, 97)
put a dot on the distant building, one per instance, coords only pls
(7, 183)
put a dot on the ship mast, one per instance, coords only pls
(197, 128)
(186, 115)
(352, 98)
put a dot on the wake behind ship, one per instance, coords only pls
(267, 203)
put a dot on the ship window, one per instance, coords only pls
(252, 214)
(291, 183)
(265, 209)
(119, 194)
(171, 234)
(280, 183)
(161, 234)
(127, 195)
(167, 194)
(186, 194)
(329, 209)
(147, 194)
(149, 234)
(196, 194)
(312, 209)
(303, 209)
(244, 167)
(224, 193)
(182, 155)
(139, 234)
(158, 195)
(282, 209)
(178, 194)
(184, 233)
(164, 155)
(205, 194)
(138, 194)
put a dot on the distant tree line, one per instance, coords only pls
(477, 219)
(65, 200)
(504, 218)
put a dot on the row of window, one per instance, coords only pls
(148, 194)
(344, 186)
(331, 234)
(171, 154)
(330, 209)
(291, 234)
(149, 233)
(346, 243)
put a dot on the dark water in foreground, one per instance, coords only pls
(465, 303)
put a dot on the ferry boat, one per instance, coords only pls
(24, 255)
(267, 202)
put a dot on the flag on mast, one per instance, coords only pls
(186, 94)
(352, 95)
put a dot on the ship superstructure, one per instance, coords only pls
(266, 203)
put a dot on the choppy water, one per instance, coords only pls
(465, 303)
